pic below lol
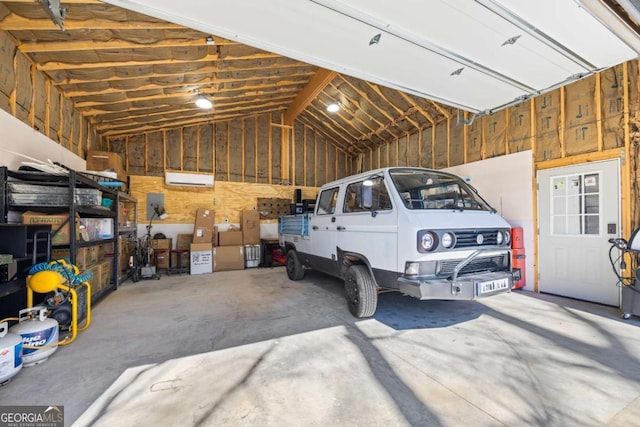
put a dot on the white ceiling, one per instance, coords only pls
(478, 55)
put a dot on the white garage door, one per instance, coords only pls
(578, 211)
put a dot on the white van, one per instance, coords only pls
(425, 233)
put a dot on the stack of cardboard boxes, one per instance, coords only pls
(201, 248)
(213, 251)
(97, 259)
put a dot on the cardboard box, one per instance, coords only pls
(123, 215)
(61, 237)
(214, 236)
(162, 257)
(228, 258)
(201, 258)
(203, 227)
(103, 160)
(162, 244)
(124, 251)
(250, 227)
(184, 241)
(95, 280)
(105, 274)
(60, 253)
(230, 238)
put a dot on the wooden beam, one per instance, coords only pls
(318, 82)
(250, 90)
(19, 23)
(59, 66)
(377, 90)
(203, 70)
(74, 46)
(421, 110)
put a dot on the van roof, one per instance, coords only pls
(379, 171)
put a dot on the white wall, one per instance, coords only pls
(506, 182)
(18, 137)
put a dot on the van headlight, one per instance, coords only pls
(503, 238)
(427, 241)
(447, 240)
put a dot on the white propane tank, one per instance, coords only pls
(10, 353)
(39, 335)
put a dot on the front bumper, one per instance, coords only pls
(462, 288)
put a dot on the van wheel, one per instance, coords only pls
(294, 267)
(362, 296)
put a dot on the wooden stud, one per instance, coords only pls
(14, 90)
(146, 154)
(61, 116)
(164, 149)
(315, 161)
(598, 94)
(32, 108)
(448, 142)
(465, 135)
(47, 111)
(270, 151)
(228, 153)
(433, 147)
(242, 156)
(304, 155)
(626, 196)
(419, 147)
(506, 133)
(561, 120)
(198, 148)
(256, 162)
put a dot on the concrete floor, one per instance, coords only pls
(253, 348)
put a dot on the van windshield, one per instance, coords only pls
(428, 189)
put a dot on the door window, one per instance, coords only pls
(381, 200)
(327, 201)
(575, 204)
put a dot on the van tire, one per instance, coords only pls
(360, 289)
(295, 271)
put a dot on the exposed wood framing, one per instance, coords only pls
(318, 82)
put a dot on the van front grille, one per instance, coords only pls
(445, 268)
(469, 238)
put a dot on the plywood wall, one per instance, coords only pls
(228, 199)
(28, 95)
(240, 150)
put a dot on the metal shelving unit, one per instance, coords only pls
(129, 232)
(74, 180)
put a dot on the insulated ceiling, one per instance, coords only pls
(478, 55)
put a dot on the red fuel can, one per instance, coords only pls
(519, 261)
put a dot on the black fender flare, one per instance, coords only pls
(349, 258)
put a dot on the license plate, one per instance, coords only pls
(492, 286)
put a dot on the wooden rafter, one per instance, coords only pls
(74, 46)
(422, 111)
(19, 23)
(318, 82)
(250, 89)
(398, 110)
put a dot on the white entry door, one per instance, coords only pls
(578, 211)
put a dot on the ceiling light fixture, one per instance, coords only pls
(202, 101)
(333, 107)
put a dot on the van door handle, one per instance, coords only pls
(315, 227)
(340, 228)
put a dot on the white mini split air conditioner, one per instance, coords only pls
(188, 179)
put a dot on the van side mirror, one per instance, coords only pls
(366, 194)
